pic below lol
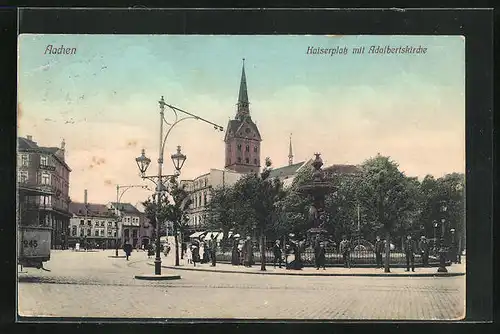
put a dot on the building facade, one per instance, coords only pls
(199, 190)
(242, 137)
(93, 224)
(136, 227)
(43, 188)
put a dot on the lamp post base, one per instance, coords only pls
(157, 266)
(442, 270)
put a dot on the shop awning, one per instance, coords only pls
(197, 234)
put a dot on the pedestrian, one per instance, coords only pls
(379, 249)
(183, 249)
(248, 252)
(167, 249)
(195, 251)
(213, 250)
(410, 249)
(277, 253)
(321, 256)
(151, 250)
(127, 248)
(316, 252)
(189, 255)
(235, 253)
(345, 250)
(423, 246)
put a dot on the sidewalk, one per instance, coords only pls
(453, 270)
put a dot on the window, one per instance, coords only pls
(247, 148)
(239, 147)
(96, 233)
(206, 182)
(110, 233)
(239, 159)
(255, 161)
(22, 176)
(201, 203)
(114, 234)
(82, 232)
(255, 149)
(134, 233)
(45, 178)
(25, 160)
(205, 198)
(247, 160)
(44, 160)
(45, 200)
(73, 230)
(97, 224)
(89, 232)
(82, 222)
(126, 232)
(102, 224)
(102, 233)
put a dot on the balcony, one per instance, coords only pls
(47, 167)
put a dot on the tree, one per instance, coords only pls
(259, 195)
(383, 191)
(221, 210)
(174, 211)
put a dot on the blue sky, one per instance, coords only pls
(103, 100)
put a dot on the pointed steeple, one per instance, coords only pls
(243, 104)
(290, 152)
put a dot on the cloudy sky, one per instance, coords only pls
(103, 101)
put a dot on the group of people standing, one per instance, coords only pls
(201, 251)
(242, 253)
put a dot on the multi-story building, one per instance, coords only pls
(43, 182)
(94, 223)
(136, 227)
(199, 190)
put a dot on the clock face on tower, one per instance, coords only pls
(247, 130)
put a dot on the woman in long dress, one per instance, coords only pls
(235, 258)
(189, 256)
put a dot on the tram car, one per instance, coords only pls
(33, 245)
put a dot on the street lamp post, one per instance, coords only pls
(117, 209)
(442, 248)
(178, 160)
(435, 226)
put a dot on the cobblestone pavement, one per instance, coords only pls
(92, 284)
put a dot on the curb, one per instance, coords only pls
(435, 274)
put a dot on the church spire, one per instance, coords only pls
(243, 104)
(290, 152)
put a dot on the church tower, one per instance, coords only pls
(242, 138)
(290, 152)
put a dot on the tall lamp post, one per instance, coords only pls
(117, 209)
(442, 247)
(435, 226)
(178, 160)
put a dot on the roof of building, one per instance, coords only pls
(27, 145)
(92, 209)
(286, 170)
(126, 207)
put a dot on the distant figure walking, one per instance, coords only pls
(235, 253)
(278, 254)
(410, 249)
(379, 249)
(423, 246)
(151, 250)
(345, 250)
(321, 256)
(213, 250)
(127, 248)
(195, 251)
(248, 252)
(189, 255)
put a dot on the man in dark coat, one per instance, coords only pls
(410, 249)
(248, 252)
(379, 249)
(127, 248)
(235, 253)
(345, 250)
(423, 246)
(277, 254)
(320, 256)
(213, 250)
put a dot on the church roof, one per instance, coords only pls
(126, 207)
(92, 209)
(234, 125)
(286, 170)
(342, 169)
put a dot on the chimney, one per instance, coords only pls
(29, 137)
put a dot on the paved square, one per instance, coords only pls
(91, 284)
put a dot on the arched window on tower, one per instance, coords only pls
(247, 148)
(255, 161)
(255, 149)
(239, 147)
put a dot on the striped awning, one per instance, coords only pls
(197, 234)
